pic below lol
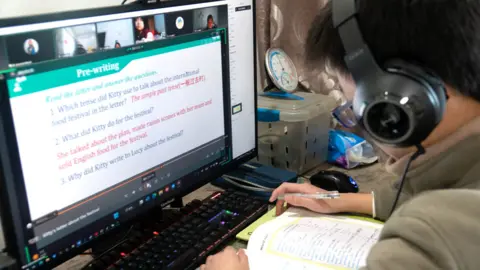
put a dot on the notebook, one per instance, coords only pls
(247, 232)
(303, 240)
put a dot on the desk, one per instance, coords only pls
(368, 178)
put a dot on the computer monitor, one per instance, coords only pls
(104, 116)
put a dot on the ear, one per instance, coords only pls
(451, 92)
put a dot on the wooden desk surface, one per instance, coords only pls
(368, 178)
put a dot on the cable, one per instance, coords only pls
(110, 249)
(123, 2)
(420, 151)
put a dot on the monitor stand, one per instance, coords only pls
(177, 203)
(159, 215)
(7, 262)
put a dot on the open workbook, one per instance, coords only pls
(302, 240)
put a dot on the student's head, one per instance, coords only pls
(210, 22)
(117, 44)
(439, 35)
(139, 24)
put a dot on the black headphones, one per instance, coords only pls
(400, 104)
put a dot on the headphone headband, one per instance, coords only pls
(358, 56)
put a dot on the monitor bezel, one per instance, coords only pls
(13, 196)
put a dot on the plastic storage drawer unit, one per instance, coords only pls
(293, 134)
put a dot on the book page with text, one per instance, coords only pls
(314, 241)
(262, 261)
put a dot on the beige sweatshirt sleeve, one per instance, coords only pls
(400, 248)
(383, 200)
(436, 230)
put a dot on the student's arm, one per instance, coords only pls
(436, 230)
(397, 252)
(378, 205)
(349, 202)
(361, 203)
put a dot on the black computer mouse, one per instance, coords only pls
(334, 181)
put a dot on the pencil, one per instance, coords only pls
(318, 196)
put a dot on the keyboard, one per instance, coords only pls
(198, 230)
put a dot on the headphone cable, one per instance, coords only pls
(420, 151)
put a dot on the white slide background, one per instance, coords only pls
(38, 151)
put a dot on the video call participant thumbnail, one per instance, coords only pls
(30, 48)
(179, 23)
(76, 40)
(144, 29)
(115, 34)
(210, 18)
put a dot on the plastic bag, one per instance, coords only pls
(349, 150)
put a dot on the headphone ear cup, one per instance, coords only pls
(428, 99)
(415, 69)
(423, 75)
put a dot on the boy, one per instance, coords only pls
(437, 222)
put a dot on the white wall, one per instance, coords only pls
(13, 8)
(160, 24)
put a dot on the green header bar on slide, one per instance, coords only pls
(37, 82)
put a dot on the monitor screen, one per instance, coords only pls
(111, 112)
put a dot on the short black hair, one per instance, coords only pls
(441, 35)
(210, 17)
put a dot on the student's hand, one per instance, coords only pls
(319, 206)
(228, 259)
(348, 202)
